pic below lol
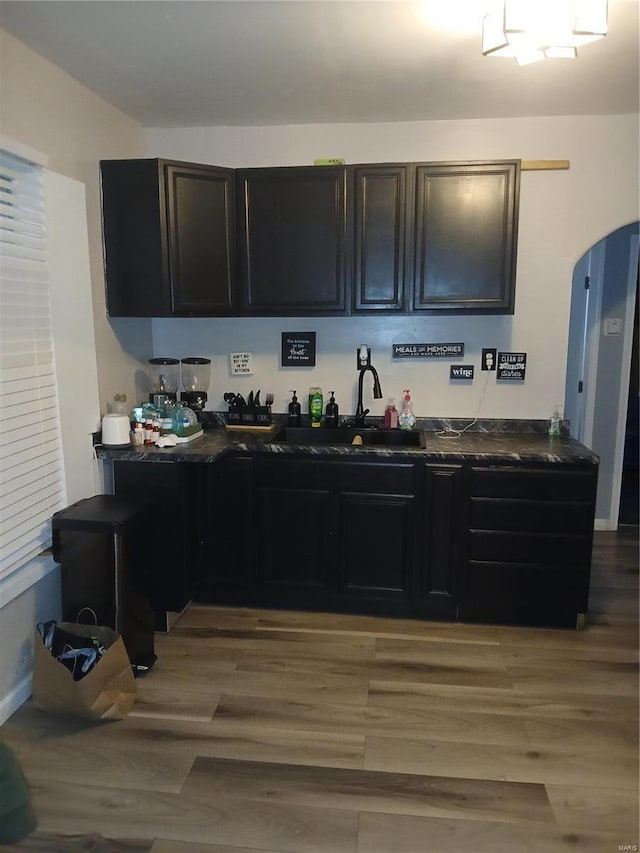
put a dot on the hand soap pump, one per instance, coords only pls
(406, 418)
(294, 411)
(331, 412)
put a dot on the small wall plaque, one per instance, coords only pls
(445, 350)
(241, 363)
(298, 349)
(461, 371)
(512, 365)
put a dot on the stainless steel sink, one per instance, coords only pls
(346, 435)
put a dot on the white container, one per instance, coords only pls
(116, 430)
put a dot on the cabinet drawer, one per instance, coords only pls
(533, 483)
(525, 515)
(533, 594)
(385, 478)
(529, 547)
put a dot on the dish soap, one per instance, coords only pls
(331, 412)
(315, 406)
(294, 411)
(406, 418)
(391, 415)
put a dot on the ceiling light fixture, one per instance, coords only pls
(530, 30)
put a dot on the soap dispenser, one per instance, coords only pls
(331, 411)
(406, 418)
(294, 411)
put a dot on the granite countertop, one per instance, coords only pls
(487, 441)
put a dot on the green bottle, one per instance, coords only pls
(315, 406)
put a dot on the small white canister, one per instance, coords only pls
(116, 430)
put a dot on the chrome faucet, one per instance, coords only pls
(364, 366)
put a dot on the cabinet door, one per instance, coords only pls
(134, 235)
(293, 555)
(227, 575)
(375, 544)
(465, 238)
(292, 234)
(442, 527)
(174, 546)
(379, 234)
(200, 220)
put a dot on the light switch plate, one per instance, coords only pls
(613, 326)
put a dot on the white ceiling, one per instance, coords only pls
(259, 62)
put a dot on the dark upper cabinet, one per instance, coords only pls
(380, 230)
(182, 239)
(464, 239)
(292, 240)
(168, 234)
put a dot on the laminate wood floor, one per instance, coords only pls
(275, 732)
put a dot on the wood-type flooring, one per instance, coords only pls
(280, 732)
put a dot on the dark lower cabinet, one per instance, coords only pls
(495, 544)
(228, 574)
(294, 531)
(375, 544)
(175, 537)
(438, 577)
(528, 541)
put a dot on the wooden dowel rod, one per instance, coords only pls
(544, 165)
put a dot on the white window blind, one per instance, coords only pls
(31, 471)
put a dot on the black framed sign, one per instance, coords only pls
(512, 365)
(444, 350)
(298, 349)
(461, 371)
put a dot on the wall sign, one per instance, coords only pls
(241, 363)
(512, 365)
(461, 371)
(427, 350)
(298, 349)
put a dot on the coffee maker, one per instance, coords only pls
(196, 375)
(164, 378)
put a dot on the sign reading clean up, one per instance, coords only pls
(512, 365)
(444, 350)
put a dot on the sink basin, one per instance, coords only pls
(345, 435)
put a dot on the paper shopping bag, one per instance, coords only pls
(107, 692)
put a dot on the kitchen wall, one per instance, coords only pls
(45, 109)
(562, 214)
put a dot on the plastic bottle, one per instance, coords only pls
(391, 415)
(315, 406)
(331, 412)
(294, 411)
(554, 422)
(406, 418)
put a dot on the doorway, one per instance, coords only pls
(599, 358)
(629, 509)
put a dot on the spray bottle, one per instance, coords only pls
(406, 418)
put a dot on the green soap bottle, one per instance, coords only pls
(315, 406)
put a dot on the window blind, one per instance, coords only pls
(31, 471)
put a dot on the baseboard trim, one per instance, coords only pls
(17, 697)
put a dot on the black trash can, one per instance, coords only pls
(104, 566)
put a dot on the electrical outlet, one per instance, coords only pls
(359, 362)
(489, 357)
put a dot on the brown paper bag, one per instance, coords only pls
(107, 692)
